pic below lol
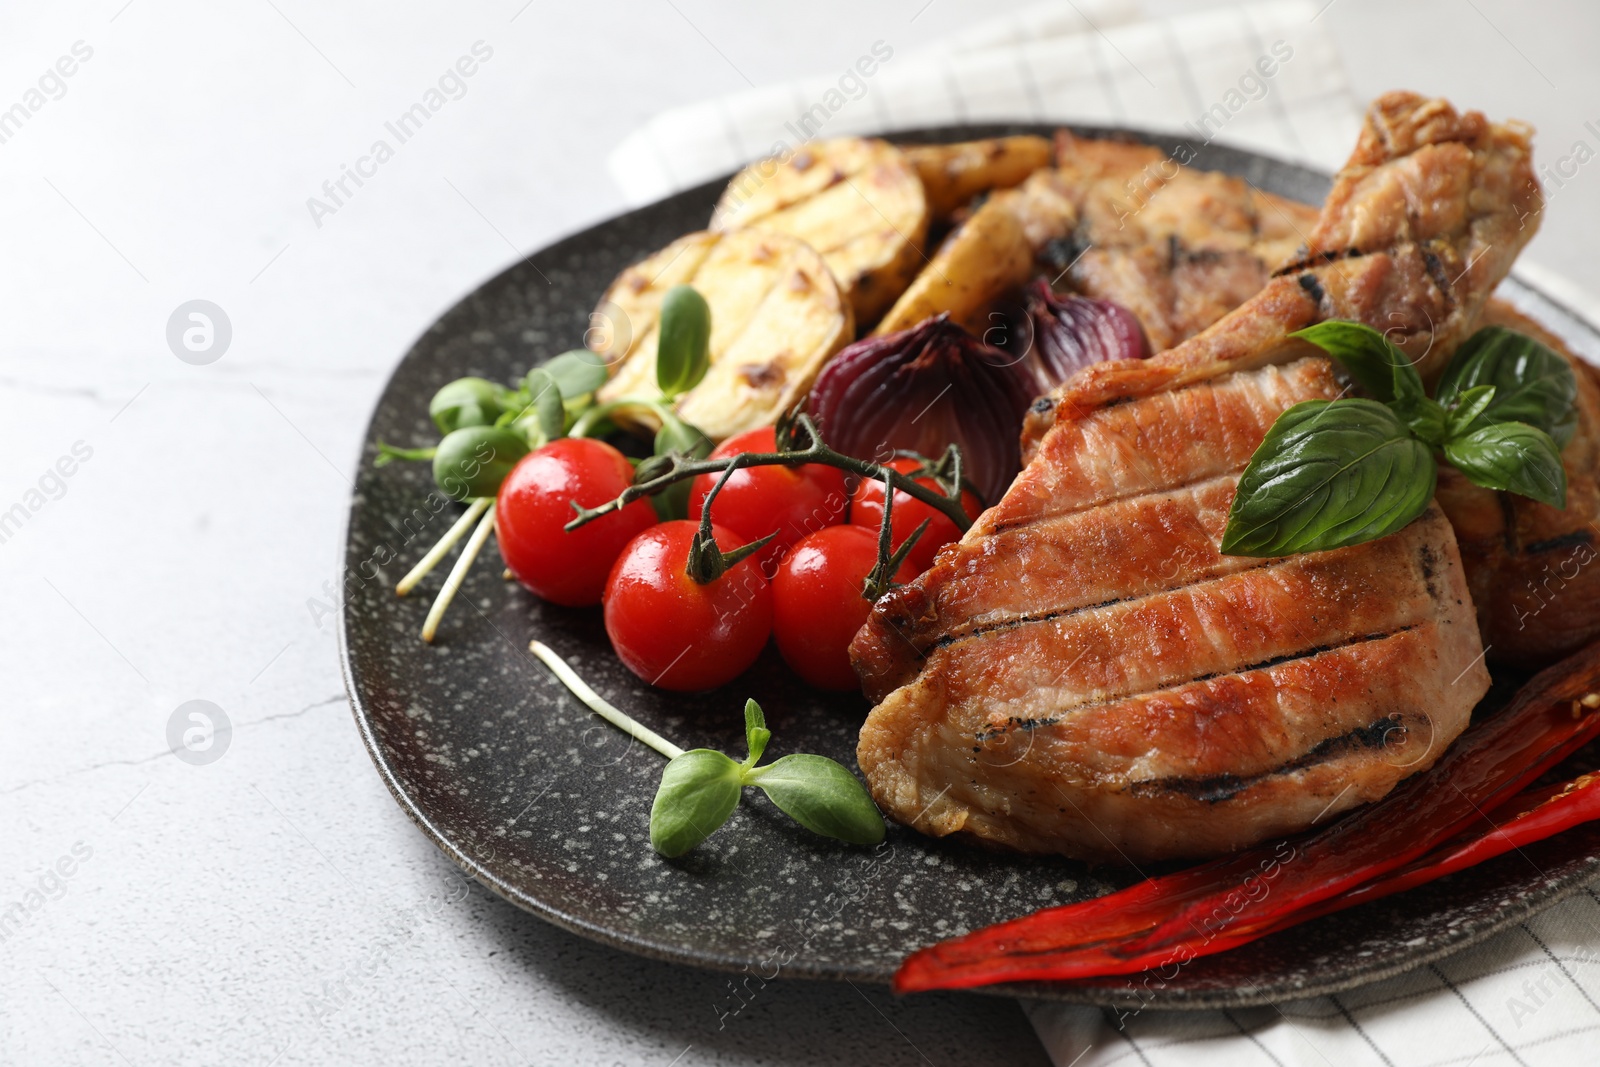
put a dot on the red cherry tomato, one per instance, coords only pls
(866, 509)
(674, 632)
(817, 602)
(793, 501)
(535, 502)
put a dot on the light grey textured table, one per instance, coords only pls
(273, 904)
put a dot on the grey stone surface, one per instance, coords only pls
(274, 905)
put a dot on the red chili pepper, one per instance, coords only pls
(1167, 921)
(1531, 816)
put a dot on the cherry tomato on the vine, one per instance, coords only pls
(817, 602)
(793, 501)
(866, 509)
(671, 630)
(535, 503)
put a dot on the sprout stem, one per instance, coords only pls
(436, 553)
(458, 574)
(591, 418)
(597, 704)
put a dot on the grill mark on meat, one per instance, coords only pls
(1136, 446)
(1508, 522)
(1060, 253)
(1428, 563)
(1308, 282)
(1107, 564)
(1319, 259)
(1016, 723)
(1220, 787)
(1436, 271)
(1178, 585)
(1570, 540)
(946, 640)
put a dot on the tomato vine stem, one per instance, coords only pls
(814, 451)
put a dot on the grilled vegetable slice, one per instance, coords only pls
(856, 201)
(984, 258)
(952, 174)
(777, 314)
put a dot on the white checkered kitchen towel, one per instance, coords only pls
(1092, 62)
(1530, 996)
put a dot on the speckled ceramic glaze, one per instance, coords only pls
(547, 805)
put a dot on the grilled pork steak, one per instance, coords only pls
(1182, 248)
(1084, 673)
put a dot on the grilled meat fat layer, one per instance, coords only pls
(1083, 673)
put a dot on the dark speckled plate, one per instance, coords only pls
(543, 803)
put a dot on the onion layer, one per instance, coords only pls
(1068, 333)
(923, 389)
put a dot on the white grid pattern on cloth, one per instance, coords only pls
(1092, 62)
(1530, 996)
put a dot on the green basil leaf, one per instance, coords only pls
(1427, 419)
(1469, 404)
(1329, 474)
(698, 791)
(465, 402)
(1533, 384)
(822, 796)
(544, 401)
(1377, 365)
(1513, 456)
(756, 734)
(577, 372)
(684, 340)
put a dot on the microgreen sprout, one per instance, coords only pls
(701, 788)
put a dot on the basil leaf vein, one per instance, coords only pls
(1329, 474)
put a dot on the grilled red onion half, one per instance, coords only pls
(923, 389)
(1067, 333)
